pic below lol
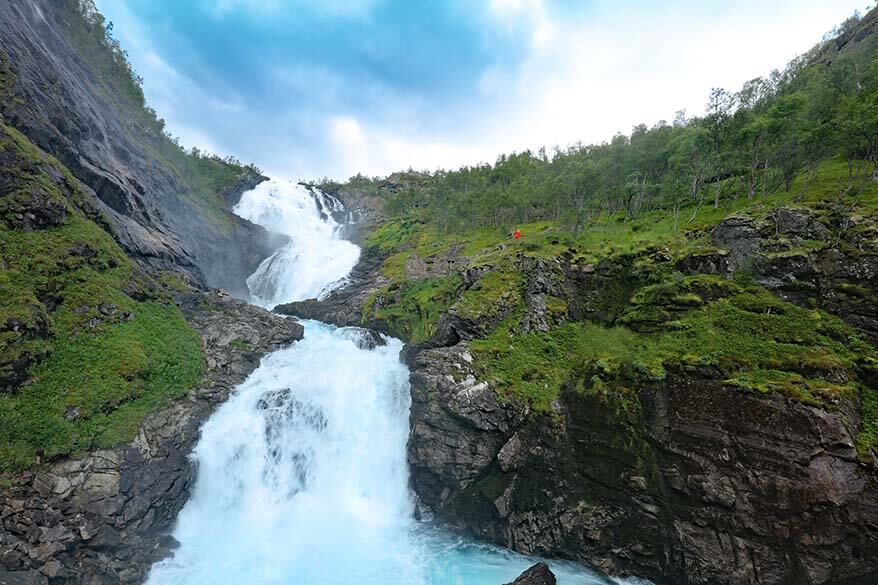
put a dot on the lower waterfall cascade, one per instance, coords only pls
(302, 473)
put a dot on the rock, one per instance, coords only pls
(366, 338)
(740, 236)
(542, 277)
(710, 486)
(539, 574)
(60, 103)
(343, 307)
(22, 578)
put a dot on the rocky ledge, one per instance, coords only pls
(105, 517)
(703, 484)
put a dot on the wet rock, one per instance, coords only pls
(543, 278)
(36, 210)
(60, 103)
(740, 236)
(344, 306)
(708, 486)
(539, 574)
(366, 338)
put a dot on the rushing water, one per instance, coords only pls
(316, 257)
(302, 476)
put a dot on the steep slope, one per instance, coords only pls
(110, 360)
(106, 374)
(644, 381)
(68, 88)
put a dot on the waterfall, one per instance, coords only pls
(302, 475)
(316, 258)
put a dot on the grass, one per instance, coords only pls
(495, 292)
(96, 361)
(726, 329)
(412, 310)
(535, 366)
(867, 441)
(95, 390)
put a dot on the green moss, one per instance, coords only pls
(534, 366)
(241, 345)
(867, 441)
(94, 390)
(791, 384)
(172, 281)
(393, 267)
(754, 329)
(412, 310)
(756, 341)
(390, 236)
(99, 361)
(494, 292)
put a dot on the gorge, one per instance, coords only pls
(304, 468)
(669, 375)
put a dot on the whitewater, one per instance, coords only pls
(302, 474)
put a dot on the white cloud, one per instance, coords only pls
(582, 80)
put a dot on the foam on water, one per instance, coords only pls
(302, 474)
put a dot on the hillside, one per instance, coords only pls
(110, 355)
(672, 373)
(66, 84)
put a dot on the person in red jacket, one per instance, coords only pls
(517, 234)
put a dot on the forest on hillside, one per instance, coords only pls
(748, 144)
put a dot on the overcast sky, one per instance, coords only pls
(307, 89)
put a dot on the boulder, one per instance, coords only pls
(539, 574)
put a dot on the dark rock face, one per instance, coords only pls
(343, 307)
(691, 482)
(703, 485)
(105, 517)
(22, 578)
(539, 574)
(62, 106)
(841, 279)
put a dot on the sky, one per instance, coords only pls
(308, 89)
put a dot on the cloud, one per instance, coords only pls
(334, 88)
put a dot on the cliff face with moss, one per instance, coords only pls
(65, 84)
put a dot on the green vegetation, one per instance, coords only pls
(94, 360)
(96, 388)
(412, 310)
(494, 292)
(535, 366)
(771, 136)
(203, 175)
(750, 339)
(868, 439)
